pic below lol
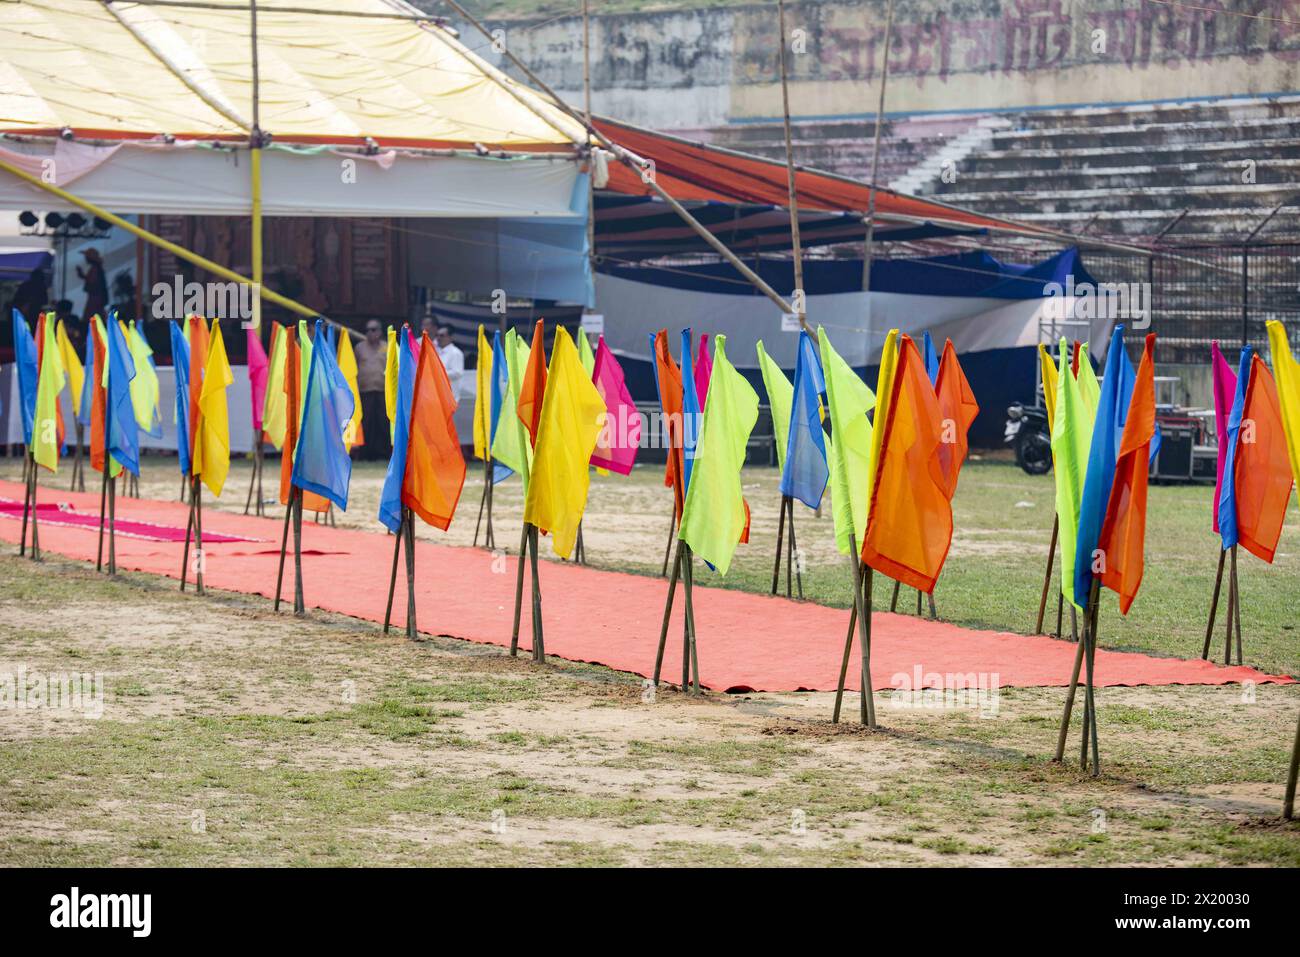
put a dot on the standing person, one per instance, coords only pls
(95, 285)
(372, 358)
(453, 360)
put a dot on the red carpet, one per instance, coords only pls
(745, 641)
(62, 513)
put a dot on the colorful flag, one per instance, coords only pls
(320, 461)
(273, 402)
(510, 444)
(390, 499)
(353, 434)
(620, 434)
(99, 403)
(1107, 430)
(1286, 376)
(909, 526)
(434, 473)
(71, 364)
(703, 371)
(500, 385)
(715, 516)
(957, 410)
(46, 415)
(533, 387)
(392, 359)
(884, 395)
(587, 357)
(568, 424)
(1123, 533)
(780, 396)
(198, 364)
(932, 359)
(848, 401)
(805, 473)
(86, 393)
(668, 384)
(692, 412)
(292, 416)
(27, 365)
(304, 372)
(1089, 387)
(145, 389)
(1226, 512)
(214, 417)
(1071, 439)
(259, 371)
(1225, 390)
(123, 442)
(181, 398)
(1263, 473)
(1048, 368)
(483, 399)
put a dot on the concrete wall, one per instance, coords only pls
(692, 69)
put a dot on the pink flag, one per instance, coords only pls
(703, 370)
(1225, 389)
(258, 367)
(620, 437)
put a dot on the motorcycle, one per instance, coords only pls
(1027, 432)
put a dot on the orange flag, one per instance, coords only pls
(1262, 471)
(292, 413)
(668, 375)
(534, 384)
(909, 526)
(198, 362)
(1123, 533)
(957, 410)
(98, 399)
(435, 465)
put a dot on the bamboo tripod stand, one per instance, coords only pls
(1233, 616)
(859, 620)
(405, 531)
(255, 483)
(683, 571)
(292, 516)
(107, 509)
(194, 526)
(29, 506)
(78, 460)
(1085, 655)
(792, 560)
(528, 548)
(485, 503)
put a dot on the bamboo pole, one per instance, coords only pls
(299, 602)
(284, 546)
(1069, 701)
(1047, 577)
(800, 301)
(1288, 805)
(103, 505)
(519, 590)
(185, 552)
(27, 499)
(197, 495)
(1214, 604)
(539, 638)
(36, 537)
(1236, 605)
(848, 648)
(869, 244)
(893, 600)
(794, 557)
(668, 610)
(690, 620)
(672, 532)
(412, 632)
(112, 524)
(1228, 619)
(780, 543)
(482, 502)
(392, 578)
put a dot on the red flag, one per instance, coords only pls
(957, 410)
(534, 384)
(1123, 533)
(909, 527)
(198, 362)
(98, 400)
(435, 465)
(1262, 469)
(669, 376)
(1074, 363)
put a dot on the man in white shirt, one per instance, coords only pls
(453, 360)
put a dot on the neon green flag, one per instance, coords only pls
(713, 517)
(1071, 442)
(584, 352)
(49, 383)
(850, 399)
(780, 396)
(144, 387)
(511, 446)
(1089, 387)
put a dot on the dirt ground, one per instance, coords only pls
(231, 735)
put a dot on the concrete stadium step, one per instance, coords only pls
(1184, 111)
(1139, 155)
(1208, 131)
(1164, 198)
(1210, 224)
(1187, 175)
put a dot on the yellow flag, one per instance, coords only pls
(483, 398)
(49, 383)
(348, 366)
(1286, 374)
(1049, 384)
(390, 383)
(884, 390)
(144, 387)
(566, 436)
(275, 406)
(304, 365)
(214, 426)
(71, 364)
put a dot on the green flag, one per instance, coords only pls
(713, 517)
(144, 387)
(780, 396)
(1089, 387)
(587, 357)
(1071, 442)
(49, 383)
(511, 446)
(850, 399)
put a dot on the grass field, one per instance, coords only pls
(231, 735)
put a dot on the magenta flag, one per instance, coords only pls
(258, 367)
(1225, 390)
(620, 437)
(703, 371)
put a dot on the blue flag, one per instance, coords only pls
(86, 401)
(390, 500)
(1228, 493)
(691, 412)
(122, 434)
(806, 472)
(28, 372)
(500, 386)
(181, 365)
(320, 461)
(931, 359)
(1112, 411)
